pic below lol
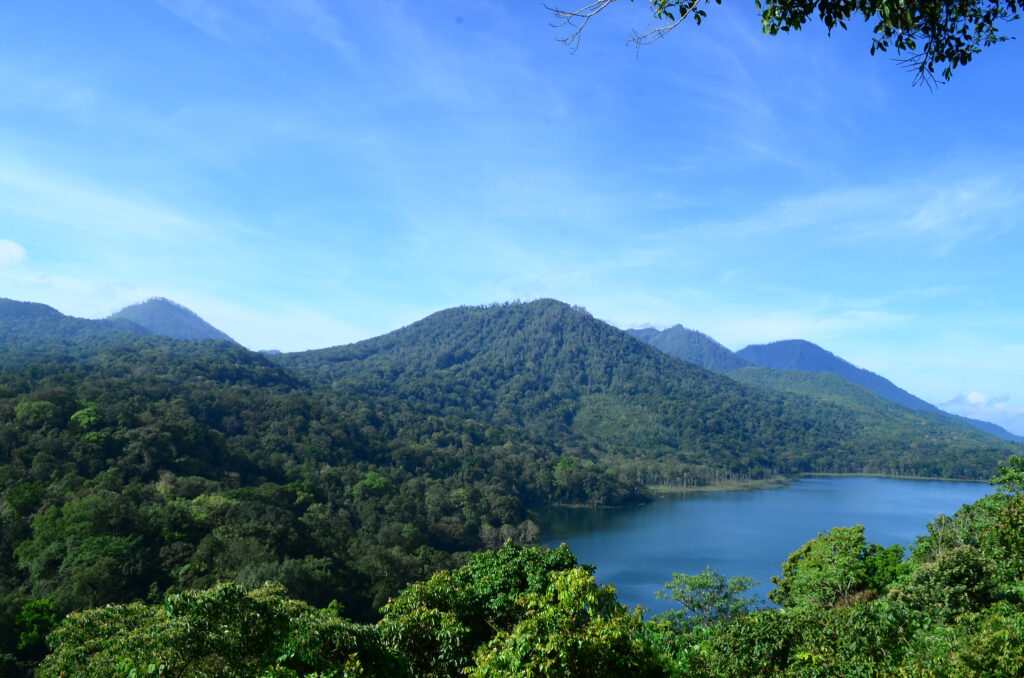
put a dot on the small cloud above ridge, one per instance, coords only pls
(11, 253)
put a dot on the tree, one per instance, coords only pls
(437, 624)
(575, 628)
(931, 33)
(1009, 480)
(707, 598)
(833, 568)
(959, 580)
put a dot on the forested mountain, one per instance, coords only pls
(132, 465)
(990, 428)
(804, 356)
(797, 354)
(556, 373)
(166, 318)
(834, 389)
(31, 332)
(691, 345)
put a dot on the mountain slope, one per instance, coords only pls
(805, 356)
(797, 354)
(31, 332)
(166, 318)
(988, 427)
(153, 462)
(691, 345)
(605, 398)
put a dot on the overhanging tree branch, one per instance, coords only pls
(576, 19)
(933, 37)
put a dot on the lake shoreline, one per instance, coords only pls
(783, 481)
(777, 482)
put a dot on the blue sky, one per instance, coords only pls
(306, 173)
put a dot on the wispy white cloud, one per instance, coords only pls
(11, 253)
(316, 20)
(936, 213)
(235, 23)
(210, 17)
(69, 203)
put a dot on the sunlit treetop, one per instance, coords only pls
(932, 37)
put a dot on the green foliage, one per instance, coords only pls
(436, 624)
(133, 466)
(852, 609)
(835, 568)
(575, 628)
(225, 631)
(983, 644)
(85, 420)
(37, 414)
(935, 35)
(706, 598)
(864, 639)
(624, 414)
(1010, 477)
(34, 622)
(959, 580)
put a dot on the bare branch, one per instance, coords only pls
(918, 64)
(577, 19)
(655, 33)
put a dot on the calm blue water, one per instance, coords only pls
(744, 533)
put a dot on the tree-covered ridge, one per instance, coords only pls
(830, 387)
(31, 332)
(166, 318)
(823, 386)
(797, 354)
(556, 373)
(953, 607)
(691, 345)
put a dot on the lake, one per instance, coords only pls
(744, 533)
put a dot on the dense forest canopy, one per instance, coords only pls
(135, 466)
(953, 607)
